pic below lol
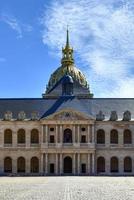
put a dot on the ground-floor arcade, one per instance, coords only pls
(67, 163)
(48, 163)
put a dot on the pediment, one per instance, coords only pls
(69, 114)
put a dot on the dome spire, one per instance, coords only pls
(67, 39)
(67, 52)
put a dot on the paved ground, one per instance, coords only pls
(67, 188)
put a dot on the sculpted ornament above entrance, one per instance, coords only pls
(68, 115)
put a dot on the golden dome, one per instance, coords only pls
(71, 70)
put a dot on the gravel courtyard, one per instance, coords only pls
(67, 188)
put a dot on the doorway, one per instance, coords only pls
(68, 165)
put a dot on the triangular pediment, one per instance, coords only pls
(69, 114)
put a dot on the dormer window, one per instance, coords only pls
(126, 116)
(113, 116)
(8, 115)
(100, 116)
(21, 115)
(34, 115)
(67, 85)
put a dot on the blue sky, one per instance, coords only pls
(32, 33)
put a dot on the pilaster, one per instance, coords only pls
(56, 162)
(74, 161)
(61, 163)
(14, 139)
(88, 163)
(46, 163)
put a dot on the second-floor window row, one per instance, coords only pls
(114, 136)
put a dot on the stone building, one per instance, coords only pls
(67, 131)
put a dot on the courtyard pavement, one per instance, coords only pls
(67, 188)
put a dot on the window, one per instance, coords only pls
(21, 164)
(8, 115)
(83, 139)
(8, 136)
(34, 165)
(51, 129)
(83, 168)
(52, 168)
(67, 136)
(34, 115)
(101, 164)
(8, 165)
(127, 164)
(114, 164)
(51, 138)
(21, 115)
(21, 136)
(67, 85)
(114, 136)
(100, 136)
(83, 129)
(127, 137)
(127, 116)
(34, 136)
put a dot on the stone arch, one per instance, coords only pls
(34, 165)
(114, 165)
(21, 164)
(67, 136)
(100, 164)
(8, 165)
(100, 136)
(67, 164)
(34, 136)
(127, 136)
(21, 136)
(114, 136)
(127, 164)
(8, 136)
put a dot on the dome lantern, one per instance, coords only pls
(67, 53)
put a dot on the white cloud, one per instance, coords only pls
(123, 89)
(15, 24)
(102, 33)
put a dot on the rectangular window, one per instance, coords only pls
(83, 139)
(83, 168)
(51, 168)
(51, 138)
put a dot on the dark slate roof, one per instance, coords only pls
(46, 107)
(120, 105)
(66, 102)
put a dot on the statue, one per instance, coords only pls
(100, 116)
(113, 116)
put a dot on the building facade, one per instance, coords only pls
(67, 131)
